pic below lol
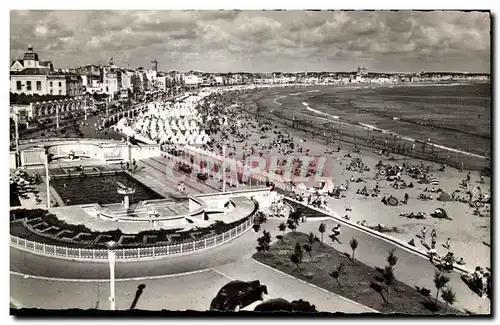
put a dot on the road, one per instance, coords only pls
(233, 260)
(189, 291)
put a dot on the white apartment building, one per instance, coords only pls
(162, 83)
(192, 80)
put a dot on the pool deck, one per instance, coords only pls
(152, 173)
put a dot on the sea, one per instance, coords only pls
(453, 115)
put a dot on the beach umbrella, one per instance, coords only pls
(440, 213)
(444, 197)
(392, 201)
(432, 180)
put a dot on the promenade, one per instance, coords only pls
(233, 261)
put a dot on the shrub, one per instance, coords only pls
(28, 214)
(115, 232)
(219, 226)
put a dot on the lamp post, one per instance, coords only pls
(47, 179)
(57, 115)
(112, 259)
(223, 169)
(16, 127)
(85, 107)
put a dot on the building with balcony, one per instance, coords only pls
(112, 79)
(162, 82)
(91, 77)
(64, 84)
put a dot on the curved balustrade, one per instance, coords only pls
(125, 254)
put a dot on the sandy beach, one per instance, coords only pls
(469, 234)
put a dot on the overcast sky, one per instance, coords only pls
(258, 41)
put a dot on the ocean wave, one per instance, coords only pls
(276, 100)
(318, 112)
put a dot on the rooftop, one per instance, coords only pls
(31, 71)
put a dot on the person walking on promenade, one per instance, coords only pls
(432, 252)
(448, 243)
(424, 233)
(336, 234)
(484, 285)
(433, 238)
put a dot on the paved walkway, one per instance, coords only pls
(410, 269)
(234, 260)
(236, 249)
(192, 291)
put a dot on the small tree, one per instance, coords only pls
(449, 297)
(322, 229)
(389, 279)
(336, 274)
(298, 251)
(311, 238)
(295, 216)
(308, 249)
(281, 238)
(262, 217)
(440, 281)
(263, 243)
(354, 244)
(291, 225)
(295, 260)
(392, 259)
(282, 228)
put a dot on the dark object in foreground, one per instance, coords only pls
(237, 295)
(279, 304)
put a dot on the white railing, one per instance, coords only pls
(129, 253)
(256, 176)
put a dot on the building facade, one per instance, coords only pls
(31, 76)
(91, 76)
(30, 60)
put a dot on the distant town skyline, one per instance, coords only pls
(258, 41)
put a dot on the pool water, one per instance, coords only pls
(100, 189)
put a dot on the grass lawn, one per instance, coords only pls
(359, 282)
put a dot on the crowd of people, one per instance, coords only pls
(223, 117)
